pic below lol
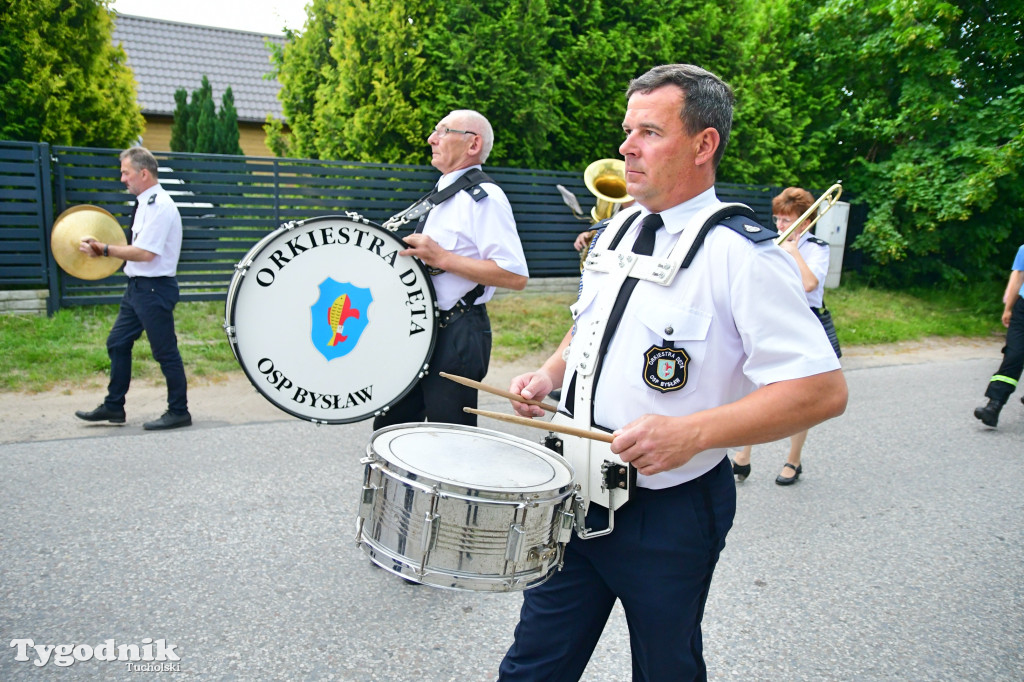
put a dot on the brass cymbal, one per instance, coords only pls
(75, 224)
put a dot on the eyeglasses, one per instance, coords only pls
(441, 132)
(781, 220)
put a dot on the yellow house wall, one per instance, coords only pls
(157, 136)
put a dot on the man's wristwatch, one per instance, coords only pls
(106, 249)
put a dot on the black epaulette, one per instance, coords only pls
(477, 192)
(751, 229)
(816, 240)
(477, 177)
(152, 199)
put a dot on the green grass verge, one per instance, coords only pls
(68, 349)
(867, 316)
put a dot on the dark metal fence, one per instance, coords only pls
(229, 203)
(26, 207)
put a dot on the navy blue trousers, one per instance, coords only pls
(147, 305)
(463, 348)
(658, 561)
(1006, 377)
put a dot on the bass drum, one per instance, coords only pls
(328, 322)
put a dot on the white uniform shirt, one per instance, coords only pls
(738, 313)
(815, 254)
(157, 229)
(484, 230)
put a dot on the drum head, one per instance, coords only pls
(470, 460)
(329, 323)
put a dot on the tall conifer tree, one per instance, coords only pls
(62, 80)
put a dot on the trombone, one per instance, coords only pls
(831, 196)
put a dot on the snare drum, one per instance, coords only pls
(464, 508)
(328, 322)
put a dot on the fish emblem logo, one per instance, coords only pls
(339, 317)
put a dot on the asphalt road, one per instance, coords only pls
(897, 556)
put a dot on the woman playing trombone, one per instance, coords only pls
(811, 257)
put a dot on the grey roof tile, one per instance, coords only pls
(166, 56)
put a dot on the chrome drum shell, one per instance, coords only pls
(464, 508)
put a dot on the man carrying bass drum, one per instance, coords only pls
(734, 339)
(470, 245)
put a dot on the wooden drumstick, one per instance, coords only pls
(496, 391)
(547, 426)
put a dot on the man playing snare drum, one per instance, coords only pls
(470, 245)
(721, 335)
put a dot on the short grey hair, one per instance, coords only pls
(141, 159)
(479, 124)
(707, 99)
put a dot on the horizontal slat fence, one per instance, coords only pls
(229, 203)
(25, 213)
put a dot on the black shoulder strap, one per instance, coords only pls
(476, 192)
(474, 176)
(622, 229)
(470, 181)
(738, 218)
(473, 294)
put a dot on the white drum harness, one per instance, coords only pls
(603, 477)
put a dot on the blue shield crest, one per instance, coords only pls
(339, 317)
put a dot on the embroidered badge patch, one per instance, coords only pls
(665, 368)
(339, 317)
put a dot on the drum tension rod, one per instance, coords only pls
(614, 475)
(553, 443)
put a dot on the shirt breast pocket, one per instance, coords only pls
(445, 238)
(672, 361)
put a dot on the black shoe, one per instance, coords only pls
(741, 471)
(782, 480)
(989, 415)
(102, 414)
(169, 420)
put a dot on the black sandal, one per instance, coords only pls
(741, 471)
(782, 480)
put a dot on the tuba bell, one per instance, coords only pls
(606, 180)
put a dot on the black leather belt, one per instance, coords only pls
(455, 312)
